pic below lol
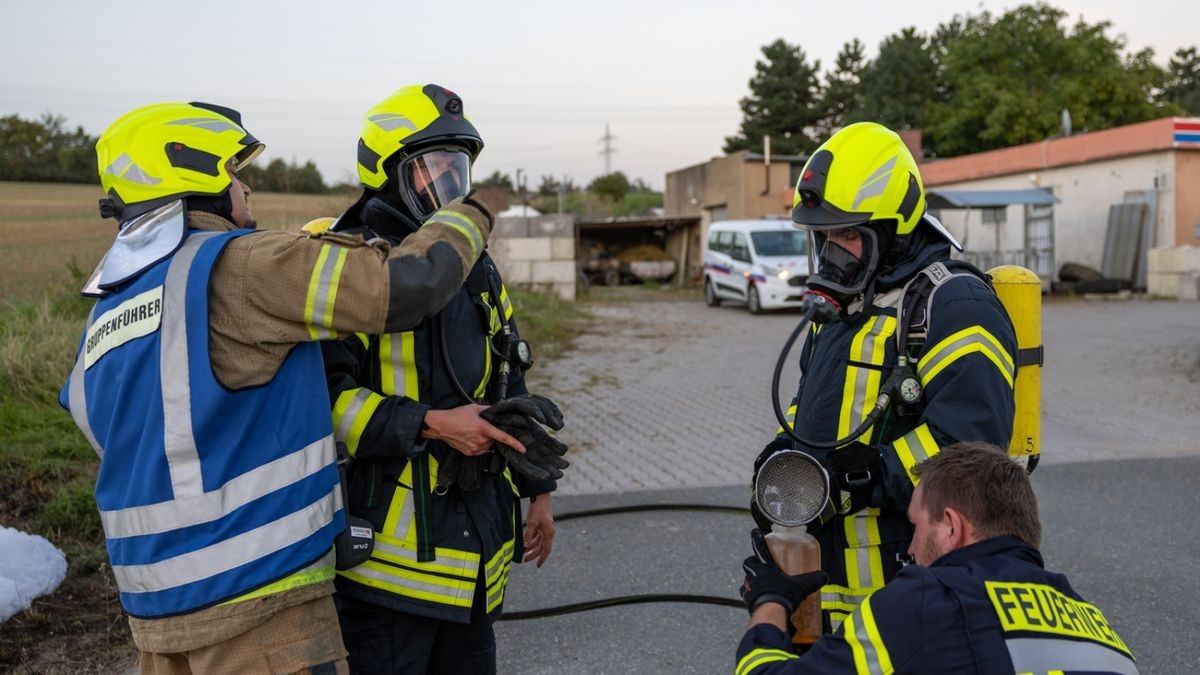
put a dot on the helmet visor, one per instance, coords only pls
(846, 260)
(435, 178)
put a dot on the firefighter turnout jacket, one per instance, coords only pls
(430, 549)
(963, 350)
(990, 607)
(199, 384)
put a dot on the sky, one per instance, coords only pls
(540, 80)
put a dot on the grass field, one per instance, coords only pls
(47, 469)
(45, 227)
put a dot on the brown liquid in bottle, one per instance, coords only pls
(797, 552)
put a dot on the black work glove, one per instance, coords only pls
(521, 417)
(765, 582)
(460, 470)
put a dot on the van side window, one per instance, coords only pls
(740, 250)
(724, 242)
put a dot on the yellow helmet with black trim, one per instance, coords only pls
(863, 173)
(167, 151)
(412, 118)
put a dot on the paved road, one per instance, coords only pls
(670, 393)
(667, 401)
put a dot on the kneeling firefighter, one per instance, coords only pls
(411, 409)
(905, 326)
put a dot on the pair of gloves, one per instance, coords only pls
(521, 417)
(765, 582)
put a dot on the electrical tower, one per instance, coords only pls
(608, 150)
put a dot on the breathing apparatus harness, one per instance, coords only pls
(514, 353)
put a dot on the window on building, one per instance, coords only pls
(994, 216)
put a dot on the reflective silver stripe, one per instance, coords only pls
(464, 225)
(1041, 655)
(862, 375)
(396, 360)
(392, 122)
(463, 592)
(138, 175)
(320, 322)
(874, 185)
(183, 460)
(469, 568)
(856, 623)
(226, 555)
(76, 396)
(118, 165)
(933, 361)
(215, 126)
(207, 507)
(502, 556)
(347, 421)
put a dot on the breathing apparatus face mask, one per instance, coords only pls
(842, 273)
(433, 178)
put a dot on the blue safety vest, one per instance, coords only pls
(204, 493)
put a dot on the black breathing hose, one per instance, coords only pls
(813, 305)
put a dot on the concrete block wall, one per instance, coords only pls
(536, 252)
(1174, 272)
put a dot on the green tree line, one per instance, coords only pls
(608, 195)
(45, 150)
(976, 82)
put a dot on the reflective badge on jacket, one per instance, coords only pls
(134, 318)
(1048, 631)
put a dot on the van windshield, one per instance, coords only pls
(780, 242)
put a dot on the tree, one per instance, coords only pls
(614, 186)
(842, 94)
(899, 85)
(497, 180)
(549, 186)
(43, 150)
(1008, 80)
(282, 176)
(1182, 85)
(784, 102)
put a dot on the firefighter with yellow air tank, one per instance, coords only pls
(906, 313)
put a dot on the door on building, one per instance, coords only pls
(1039, 240)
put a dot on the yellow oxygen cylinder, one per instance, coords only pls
(1020, 291)
(318, 225)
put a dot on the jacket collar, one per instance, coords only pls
(1005, 545)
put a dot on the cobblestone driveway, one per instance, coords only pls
(664, 392)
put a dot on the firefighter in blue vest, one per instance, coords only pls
(978, 601)
(861, 199)
(200, 385)
(411, 408)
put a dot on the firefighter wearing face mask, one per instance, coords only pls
(861, 199)
(444, 507)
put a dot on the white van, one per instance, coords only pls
(763, 263)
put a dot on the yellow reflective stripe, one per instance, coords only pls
(504, 555)
(966, 341)
(861, 388)
(505, 302)
(426, 587)
(495, 594)
(322, 570)
(398, 364)
(915, 447)
(862, 528)
(322, 291)
(840, 601)
(351, 412)
(465, 225)
(449, 561)
(791, 415)
(364, 339)
(870, 653)
(759, 657)
(400, 510)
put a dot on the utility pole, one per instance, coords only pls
(608, 150)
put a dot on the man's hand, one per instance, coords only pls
(765, 582)
(539, 529)
(464, 430)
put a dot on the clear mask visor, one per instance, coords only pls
(435, 178)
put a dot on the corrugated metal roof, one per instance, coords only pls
(977, 199)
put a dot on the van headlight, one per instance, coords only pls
(779, 273)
